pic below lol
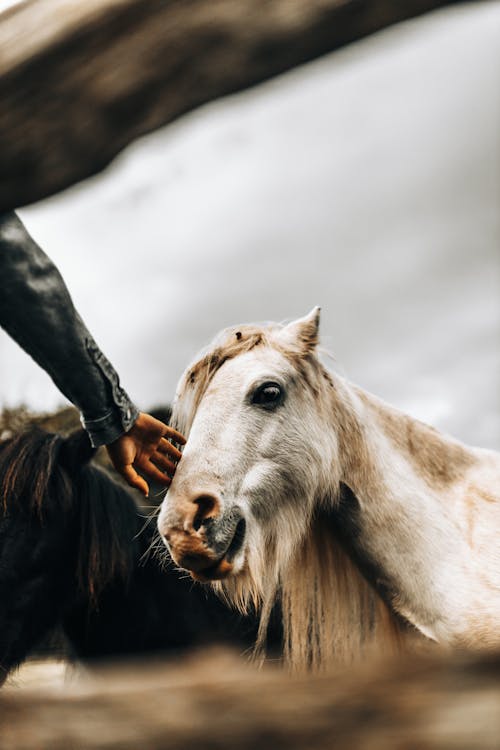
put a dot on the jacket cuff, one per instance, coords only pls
(105, 430)
(121, 417)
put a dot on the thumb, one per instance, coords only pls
(133, 479)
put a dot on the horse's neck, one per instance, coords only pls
(392, 445)
(403, 484)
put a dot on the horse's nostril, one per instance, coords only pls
(208, 506)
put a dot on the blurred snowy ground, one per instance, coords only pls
(367, 182)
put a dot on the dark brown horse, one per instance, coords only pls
(76, 553)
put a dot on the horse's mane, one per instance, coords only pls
(43, 475)
(230, 343)
(331, 613)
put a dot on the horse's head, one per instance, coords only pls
(255, 461)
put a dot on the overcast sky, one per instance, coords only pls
(4, 4)
(366, 182)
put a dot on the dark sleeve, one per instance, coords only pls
(37, 311)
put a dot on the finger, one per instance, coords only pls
(165, 447)
(133, 479)
(174, 435)
(160, 460)
(154, 473)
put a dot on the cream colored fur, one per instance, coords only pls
(429, 512)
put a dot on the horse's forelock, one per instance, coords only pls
(231, 343)
(195, 381)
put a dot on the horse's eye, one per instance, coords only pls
(268, 395)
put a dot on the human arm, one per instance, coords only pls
(37, 311)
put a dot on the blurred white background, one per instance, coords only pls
(367, 182)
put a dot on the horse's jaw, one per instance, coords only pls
(231, 563)
(204, 536)
(217, 572)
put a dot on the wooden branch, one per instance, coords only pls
(80, 79)
(214, 701)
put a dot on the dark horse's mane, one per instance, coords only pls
(38, 471)
(74, 555)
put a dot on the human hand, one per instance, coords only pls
(145, 447)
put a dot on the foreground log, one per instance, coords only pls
(216, 702)
(80, 80)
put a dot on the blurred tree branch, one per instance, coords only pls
(211, 699)
(81, 80)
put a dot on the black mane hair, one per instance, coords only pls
(47, 477)
(75, 554)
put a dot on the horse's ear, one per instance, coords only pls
(304, 332)
(76, 450)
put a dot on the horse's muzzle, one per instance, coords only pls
(204, 543)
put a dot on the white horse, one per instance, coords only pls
(363, 520)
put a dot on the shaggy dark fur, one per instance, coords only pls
(74, 554)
